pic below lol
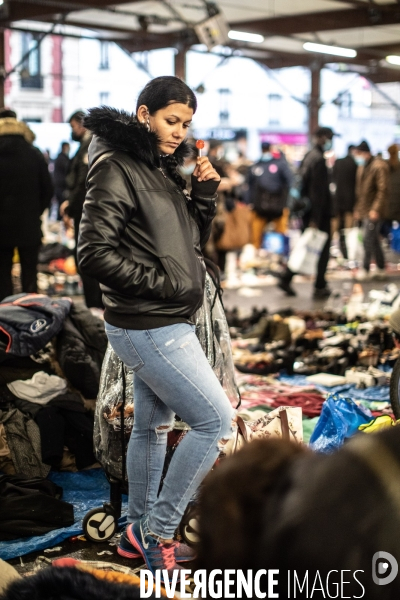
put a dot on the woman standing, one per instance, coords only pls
(141, 236)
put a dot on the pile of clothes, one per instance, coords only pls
(51, 352)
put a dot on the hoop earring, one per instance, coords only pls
(148, 123)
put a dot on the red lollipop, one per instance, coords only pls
(200, 146)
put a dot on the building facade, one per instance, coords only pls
(63, 74)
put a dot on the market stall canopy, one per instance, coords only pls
(370, 29)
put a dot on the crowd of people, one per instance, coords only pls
(359, 189)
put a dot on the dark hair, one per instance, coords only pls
(363, 147)
(350, 148)
(162, 91)
(159, 93)
(65, 144)
(78, 115)
(324, 132)
(265, 146)
(232, 502)
(7, 113)
(273, 505)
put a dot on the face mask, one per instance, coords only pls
(328, 145)
(76, 137)
(188, 169)
(267, 156)
(360, 160)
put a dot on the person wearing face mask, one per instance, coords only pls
(268, 184)
(372, 196)
(76, 191)
(314, 185)
(141, 236)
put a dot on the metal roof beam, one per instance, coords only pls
(44, 9)
(380, 14)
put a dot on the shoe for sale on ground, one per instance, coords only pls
(183, 552)
(157, 555)
(363, 275)
(287, 288)
(380, 274)
(321, 293)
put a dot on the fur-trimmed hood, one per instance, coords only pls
(11, 126)
(119, 130)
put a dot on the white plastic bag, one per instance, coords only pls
(305, 254)
(354, 244)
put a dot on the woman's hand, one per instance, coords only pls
(204, 170)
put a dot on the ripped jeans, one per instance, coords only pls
(172, 376)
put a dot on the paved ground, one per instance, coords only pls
(274, 299)
(80, 550)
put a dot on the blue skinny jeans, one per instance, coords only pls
(172, 376)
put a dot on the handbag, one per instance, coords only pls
(284, 422)
(237, 230)
(306, 252)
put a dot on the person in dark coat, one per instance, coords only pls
(315, 186)
(142, 236)
(372, 196)
(76, 184)
(392, 212)
(269, 182)
(344, 177)
(61, 169)
(26, 190)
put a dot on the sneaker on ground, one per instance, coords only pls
(287, 288)
(380, 274)
(363, 275)
(183, 552)
(157, 555)
(321, 293)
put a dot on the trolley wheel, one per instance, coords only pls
(189, 526)
(99, 525)
(395, 389)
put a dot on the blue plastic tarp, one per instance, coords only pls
(85, 490)
(379, 393)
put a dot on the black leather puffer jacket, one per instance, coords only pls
(140, 236)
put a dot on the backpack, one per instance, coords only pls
(268, 190)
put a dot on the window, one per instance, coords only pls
(104, 56)
(345, 103)
(275, 106)
(224, 95)
(104, 97)
(31, 76)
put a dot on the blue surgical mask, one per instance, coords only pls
(327, 146)
(188, 169)
(360, 160)
(267, 156)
